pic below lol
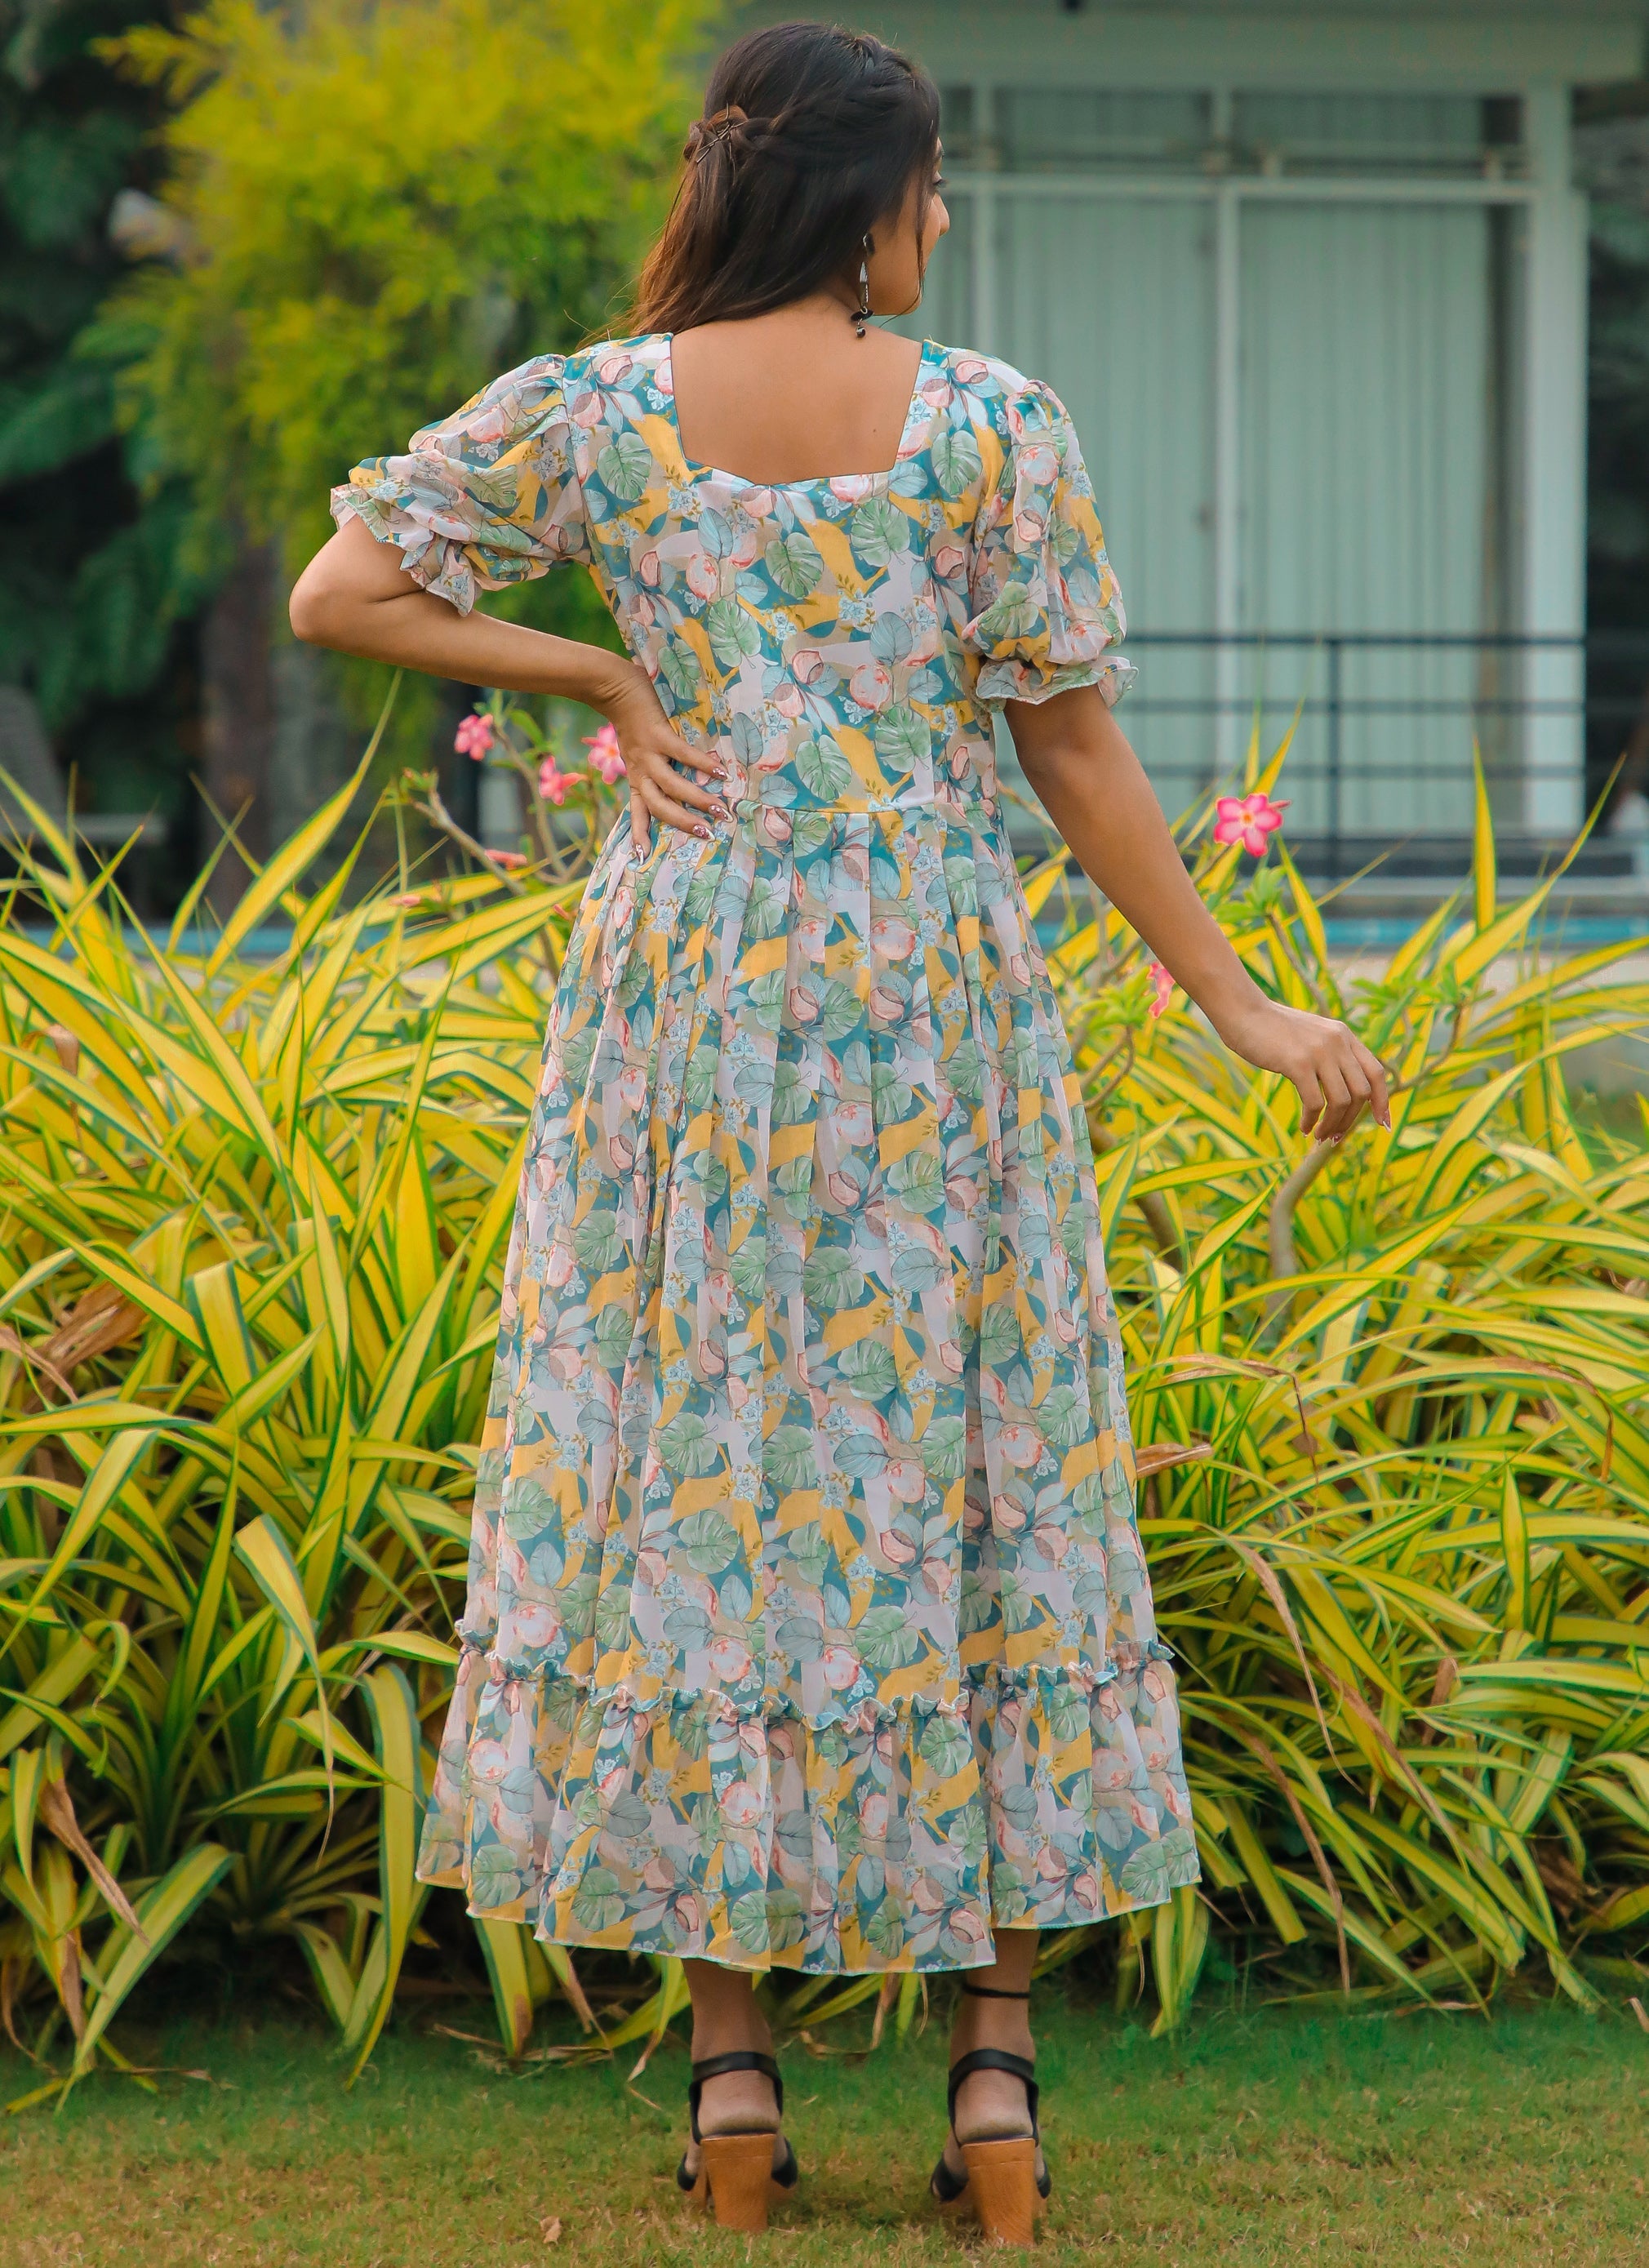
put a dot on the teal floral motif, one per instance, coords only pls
(807, 1625)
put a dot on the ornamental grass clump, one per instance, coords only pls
(1390, 1397)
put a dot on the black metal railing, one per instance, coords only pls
(1609, 707)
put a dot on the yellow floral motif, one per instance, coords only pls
(807, 1623)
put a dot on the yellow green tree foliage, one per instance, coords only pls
(385, 206)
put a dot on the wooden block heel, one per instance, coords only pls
(1002, 2188)
(1004, 2179)
(738, 2178)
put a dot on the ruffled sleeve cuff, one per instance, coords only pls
(1046, 611)
(485, 498)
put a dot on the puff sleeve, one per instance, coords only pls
(1043, 603)
(487, 497)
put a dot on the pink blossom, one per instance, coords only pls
(508, 858)
(729, 1658)
(553, 783)
(897, 1549)
(474, 736)
(1162, 988)
(1248, 819)
(740, 1805)
(853, 1123)
(893, 937)
(841, 1667)
(606, 756)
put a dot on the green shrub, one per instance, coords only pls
(1391, 1399)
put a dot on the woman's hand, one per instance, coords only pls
(1336, 1074)
(652, 751)
(1098, 797)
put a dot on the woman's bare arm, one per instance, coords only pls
(356, 597)
(1079, 761)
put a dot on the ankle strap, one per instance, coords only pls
(992, 1993)
(1018, 2067)
(713, 2067)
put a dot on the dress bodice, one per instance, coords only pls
(843, 640)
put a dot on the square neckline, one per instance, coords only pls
(697, 471)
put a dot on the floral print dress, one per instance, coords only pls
(807, 1625)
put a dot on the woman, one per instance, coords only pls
(807, 1626)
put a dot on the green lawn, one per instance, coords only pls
(1279, 2137)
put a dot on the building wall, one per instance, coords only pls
(1312, 284)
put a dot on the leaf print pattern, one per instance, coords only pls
(807, 1625)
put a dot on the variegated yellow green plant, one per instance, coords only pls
(1391, 1398)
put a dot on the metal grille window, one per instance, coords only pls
(1437, 134)
(1325, 353)
(1053, 129)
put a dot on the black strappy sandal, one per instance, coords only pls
(1004, 2181)
(736, 2177)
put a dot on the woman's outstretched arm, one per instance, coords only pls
(356, 597)
(1079, 761)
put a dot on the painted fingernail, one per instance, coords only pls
(702, 830)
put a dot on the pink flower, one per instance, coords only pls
(841, 1667)
(1248, 820)
(606, 756)
(740, 1805)
(1162, 987)
(893, 937)
(510, 858)
(474, 736)
(553, 783)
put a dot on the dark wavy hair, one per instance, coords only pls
(811, 136)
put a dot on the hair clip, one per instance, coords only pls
(705, 133)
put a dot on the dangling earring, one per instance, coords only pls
(862, 313)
